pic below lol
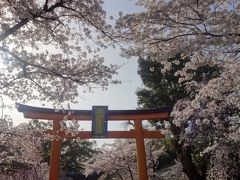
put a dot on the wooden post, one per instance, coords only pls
(55, 153)
(141, 154)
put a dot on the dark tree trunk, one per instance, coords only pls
(189, 167)
(185, 155)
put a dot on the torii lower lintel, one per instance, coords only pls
(86, 115)
(110, 135)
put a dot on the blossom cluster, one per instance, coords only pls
(50, 48)
(119, 159)
(20, 152)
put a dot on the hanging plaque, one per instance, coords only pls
(99, 121)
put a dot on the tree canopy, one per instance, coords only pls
(122, 155)
(49, 48)
(207, 28)
(208, 33)
(21, 152)
(160, 88)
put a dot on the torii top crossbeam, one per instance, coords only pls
(85, 115)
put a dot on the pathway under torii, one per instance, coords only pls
(88, 115)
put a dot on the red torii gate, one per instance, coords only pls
(86, 115)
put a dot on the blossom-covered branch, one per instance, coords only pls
(52, 46)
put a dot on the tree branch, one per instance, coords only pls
(24, 21)
(13, 29)
(50, 71)
(170, 38)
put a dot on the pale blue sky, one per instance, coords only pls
(113, 7)
(117, 96)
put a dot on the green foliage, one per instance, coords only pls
(73, 152)
(161, 89)
(166, 160)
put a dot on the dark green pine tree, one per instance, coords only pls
(161, 89)
(75, 153)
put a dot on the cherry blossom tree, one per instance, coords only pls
(21, 152)
(49, 48)
(206, 122)
(167, 28)
(210, 121)
(118, 160)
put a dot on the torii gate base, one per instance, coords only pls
(85, 115)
